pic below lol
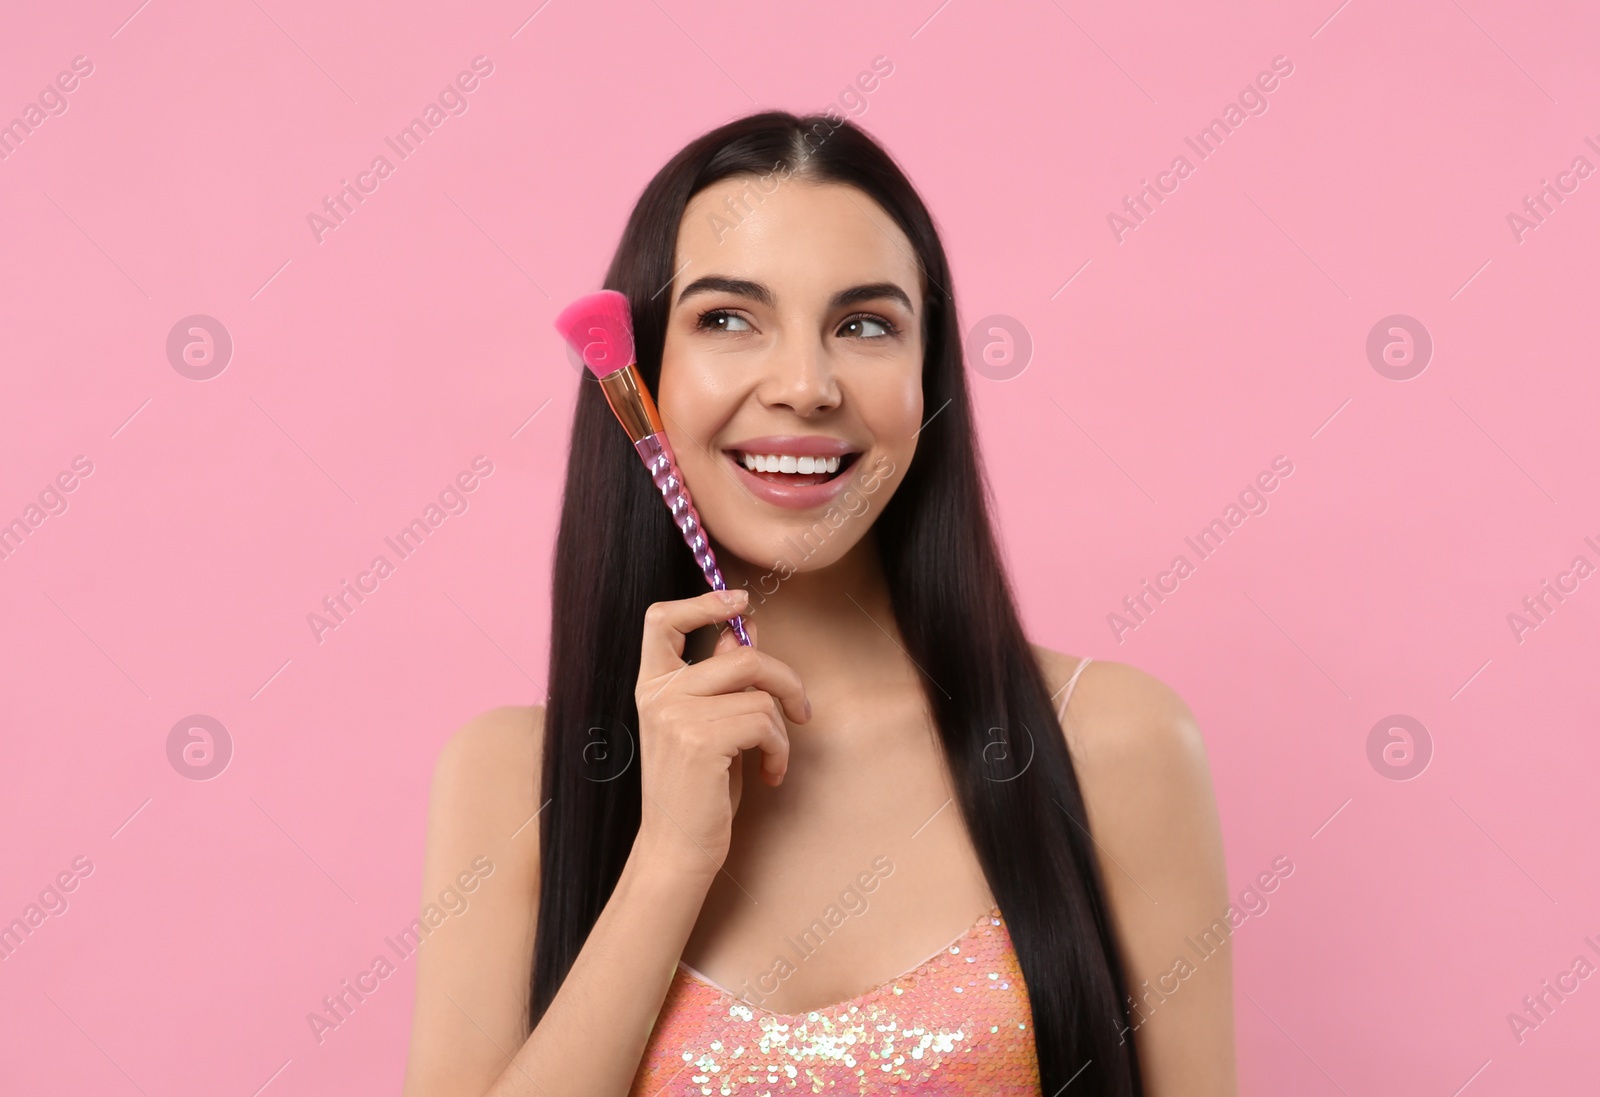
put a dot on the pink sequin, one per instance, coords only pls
(957, 1024)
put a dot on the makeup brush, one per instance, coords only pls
(599, 326)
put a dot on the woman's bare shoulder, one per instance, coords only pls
(1139, 756)
(487, 773)
(501, 744)
(1119, 712)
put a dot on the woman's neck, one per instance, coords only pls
(834, 622)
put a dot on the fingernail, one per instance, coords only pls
(731, 597)
(808, 708)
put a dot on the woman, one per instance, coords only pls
(876, 852)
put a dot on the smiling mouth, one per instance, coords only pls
(793, 471)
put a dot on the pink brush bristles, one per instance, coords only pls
(599, 326)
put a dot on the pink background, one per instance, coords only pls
(371, 368)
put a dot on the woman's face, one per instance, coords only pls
(791, 375)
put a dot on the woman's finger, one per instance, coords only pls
(726, 711)
(745, 667)
(761, 731)
(667, 626)
(726, 705)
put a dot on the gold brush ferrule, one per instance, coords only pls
(631, 403)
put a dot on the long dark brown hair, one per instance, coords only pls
(617, 551)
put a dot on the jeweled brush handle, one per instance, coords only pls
(656, 452)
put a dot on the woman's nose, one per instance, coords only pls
(801, 379)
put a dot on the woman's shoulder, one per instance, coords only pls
(480, 874)
(492, 740)
(488, 769)
(485, 783)
(1124, 722)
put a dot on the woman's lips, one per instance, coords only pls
(793, 491)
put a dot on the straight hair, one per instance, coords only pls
(617, 551)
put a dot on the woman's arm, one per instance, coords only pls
(469, 1028)
(1141, 764)
(472, 970)
(470, 1034)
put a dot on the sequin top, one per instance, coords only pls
(958, 1023)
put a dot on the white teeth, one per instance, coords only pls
(804, 466)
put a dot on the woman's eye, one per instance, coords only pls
(722, 320)
(861, 327)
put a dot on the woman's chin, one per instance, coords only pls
(786, 552)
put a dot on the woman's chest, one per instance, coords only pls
(832, 889)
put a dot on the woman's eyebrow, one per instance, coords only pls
(716, 283)
(758, 292)
(872, 291)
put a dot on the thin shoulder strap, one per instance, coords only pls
(1066, 690)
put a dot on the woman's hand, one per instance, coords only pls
(695, 719)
